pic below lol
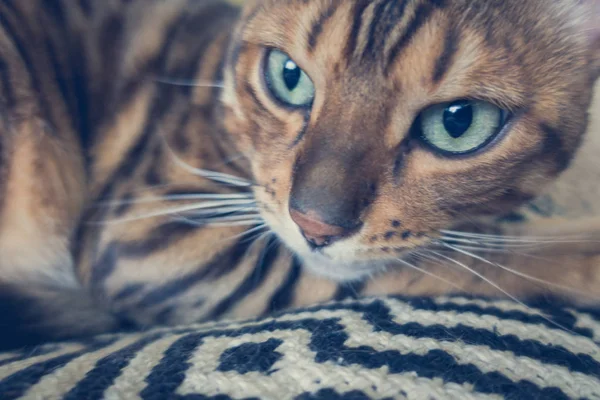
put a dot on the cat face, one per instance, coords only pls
(373, 125)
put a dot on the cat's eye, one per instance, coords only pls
(461, 127)
(287, 81)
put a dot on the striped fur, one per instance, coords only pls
(140, 199)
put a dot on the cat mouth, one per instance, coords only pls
(339, 260)
(343, 262)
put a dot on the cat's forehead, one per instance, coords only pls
(304, 20)
(401, 39)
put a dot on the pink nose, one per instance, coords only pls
(317, 232)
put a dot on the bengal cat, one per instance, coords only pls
(168, 162)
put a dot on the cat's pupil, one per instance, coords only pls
(458, 118)
(291, 74)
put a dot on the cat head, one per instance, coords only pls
(373, 125)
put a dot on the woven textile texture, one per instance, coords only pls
(446, 348)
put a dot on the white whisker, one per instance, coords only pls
(506, 238)
(156, 187)
(178, 197)
(424, 271)
(242, 217)
(176, 210)
(515, 272)
(204, 173)
(234, 158)
(495, 250)
(498, 244)
(262, 236)
(255, 230)
(220, 222)
(430, 258)
(499, 288)
(239, 223)
(189, 82)
(224, 210)
(212, 175)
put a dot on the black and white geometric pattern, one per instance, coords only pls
(381, 348)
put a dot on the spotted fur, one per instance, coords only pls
(113, 112)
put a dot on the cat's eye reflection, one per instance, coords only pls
(460, 127)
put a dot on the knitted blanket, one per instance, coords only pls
(380, 348)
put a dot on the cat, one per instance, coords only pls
(170, 162)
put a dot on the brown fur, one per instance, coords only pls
(89, 134)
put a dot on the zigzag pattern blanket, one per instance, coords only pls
(379, 348)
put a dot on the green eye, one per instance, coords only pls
(286, 80)
(462, 126)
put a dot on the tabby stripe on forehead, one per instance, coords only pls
(385, 18)
(445, 59)
(357, 13)
(317, 27)
(264, 264)
(422, 15)
(252, 14)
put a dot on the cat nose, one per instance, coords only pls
(317, 232)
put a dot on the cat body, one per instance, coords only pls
(170, 162)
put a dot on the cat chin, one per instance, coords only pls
(340, 271)
(323, 265)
